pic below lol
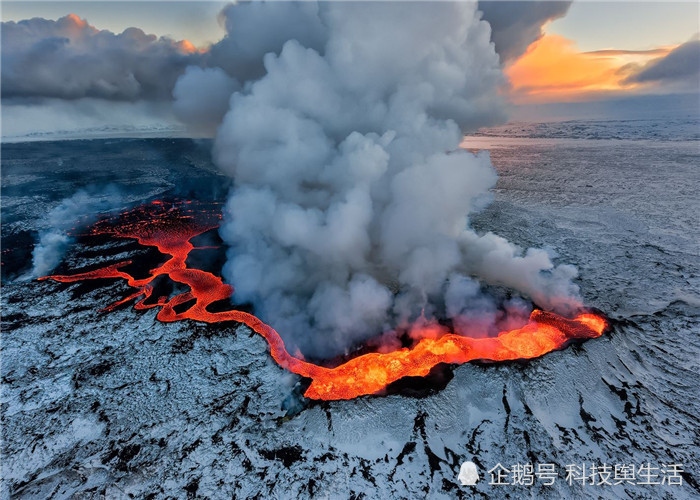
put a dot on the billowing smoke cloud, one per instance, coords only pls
(77, 211)
(680, 67)
(253, 29)
(516, 24)
(69, 59)
(350, 214)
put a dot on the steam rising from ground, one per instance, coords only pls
(79, 210)
(350, 214)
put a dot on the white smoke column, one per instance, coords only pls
(350, 211)
(80, 209)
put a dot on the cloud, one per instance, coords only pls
(517, 24)
(553, 69)
(69, 59)
(622, 52)
(254, 29)
(201, 97)
(681, 66)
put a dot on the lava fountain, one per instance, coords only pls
(171, 227)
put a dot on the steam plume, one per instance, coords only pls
(350, 214)
(78, 210)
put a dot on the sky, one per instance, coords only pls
(593, 25)
(627, 24)
(583, 52)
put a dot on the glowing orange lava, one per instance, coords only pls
(171, 228)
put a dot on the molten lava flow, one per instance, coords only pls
(170, 228)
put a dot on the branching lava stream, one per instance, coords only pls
(171, 227)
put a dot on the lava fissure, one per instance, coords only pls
(171, 229)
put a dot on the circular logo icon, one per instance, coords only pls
(468, 474)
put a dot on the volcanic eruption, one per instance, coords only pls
(351, 207)
(171, 227)
(349, 220)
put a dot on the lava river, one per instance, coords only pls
(171, 227)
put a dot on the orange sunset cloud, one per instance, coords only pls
(553, 69)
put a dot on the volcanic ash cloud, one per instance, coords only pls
(350, 212)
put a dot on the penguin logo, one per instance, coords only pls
(468, 474)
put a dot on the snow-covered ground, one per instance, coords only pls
(119, 405)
